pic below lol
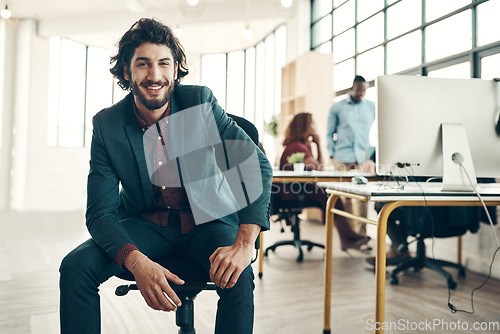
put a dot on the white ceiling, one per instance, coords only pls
(212, 26)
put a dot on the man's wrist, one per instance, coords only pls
(132, 259)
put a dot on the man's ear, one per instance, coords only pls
(175, 70)
(126, 73)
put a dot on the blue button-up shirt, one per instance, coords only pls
(351, 122)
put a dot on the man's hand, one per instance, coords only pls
(227, 263)
(152, 281)
(368, 167)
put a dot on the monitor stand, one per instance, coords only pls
(456, 151)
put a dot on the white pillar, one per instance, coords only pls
(21, 84)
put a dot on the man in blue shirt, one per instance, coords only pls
(349, 123)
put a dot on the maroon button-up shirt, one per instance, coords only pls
(166, 196)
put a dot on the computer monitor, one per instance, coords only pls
(414, 112)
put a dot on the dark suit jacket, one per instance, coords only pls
(119, 184)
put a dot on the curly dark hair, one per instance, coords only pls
(146, 31)
(297, 129)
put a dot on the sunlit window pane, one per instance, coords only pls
(343, 46)
(71, 94)
(371, 32)
(403, 17)
(458, 71)
(337, 3)
(324, 48)
(487, 22)
(343, 74)
(343, 17)
(212, 66)
(435, 9)
(404, 52)
(280, 40)
(259, 84)
(269, 79)
(490, 67)
(320, 8)
(368, 7)
(118, 92)
(250, 85)
(235, 82)
(322, 30)
(371, 64)
(99, 87)
(450, 36)
(53, 105)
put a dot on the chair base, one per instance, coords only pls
(296, 241)
(421, 261)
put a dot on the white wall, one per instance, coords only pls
(34, 176)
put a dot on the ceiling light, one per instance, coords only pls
(287, 3)
(247, 33)
(178, 32)
(6, 13)
(193, 2)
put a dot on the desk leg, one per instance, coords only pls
(328, 263)
(380, 263)
(261, 255)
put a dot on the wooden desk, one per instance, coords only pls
(413, 194)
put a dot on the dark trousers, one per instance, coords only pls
(85, 268)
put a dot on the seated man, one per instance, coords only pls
(154, 186)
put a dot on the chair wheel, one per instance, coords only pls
(452, 285)
(300, 258)
(461, 273)
(260, 275)
(309, 248)
(282, 230)
(394, 280)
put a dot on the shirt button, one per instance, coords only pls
(159, 137)
(163, 187)
(168, 206)
(166, 122)
(159, 163)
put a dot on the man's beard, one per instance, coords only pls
(156, 103)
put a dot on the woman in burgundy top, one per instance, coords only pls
(299, 137)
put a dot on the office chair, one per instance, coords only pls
(288, 211)
(196, 280)
(438, 222)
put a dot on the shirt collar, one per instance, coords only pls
(142, 123)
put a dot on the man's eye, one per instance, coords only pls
(141, 64)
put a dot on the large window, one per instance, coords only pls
(446, 38)
(80, 85)
(248, 82)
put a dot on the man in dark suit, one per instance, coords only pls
(156, 184)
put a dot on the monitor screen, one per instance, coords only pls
(409, 114)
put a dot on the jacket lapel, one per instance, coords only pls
(135, 137)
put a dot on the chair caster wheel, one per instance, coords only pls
(452, 285)
(309, 248)
(260, 275)
(394, 280)
(300, 258)
(461, 273)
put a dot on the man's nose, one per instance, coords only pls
(154, 73)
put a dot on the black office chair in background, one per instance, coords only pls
(196, 280)
(434, 222)
(288, 211)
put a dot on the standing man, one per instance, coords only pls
(349, 123)
(156, 185)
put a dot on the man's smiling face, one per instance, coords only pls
(152, 75)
